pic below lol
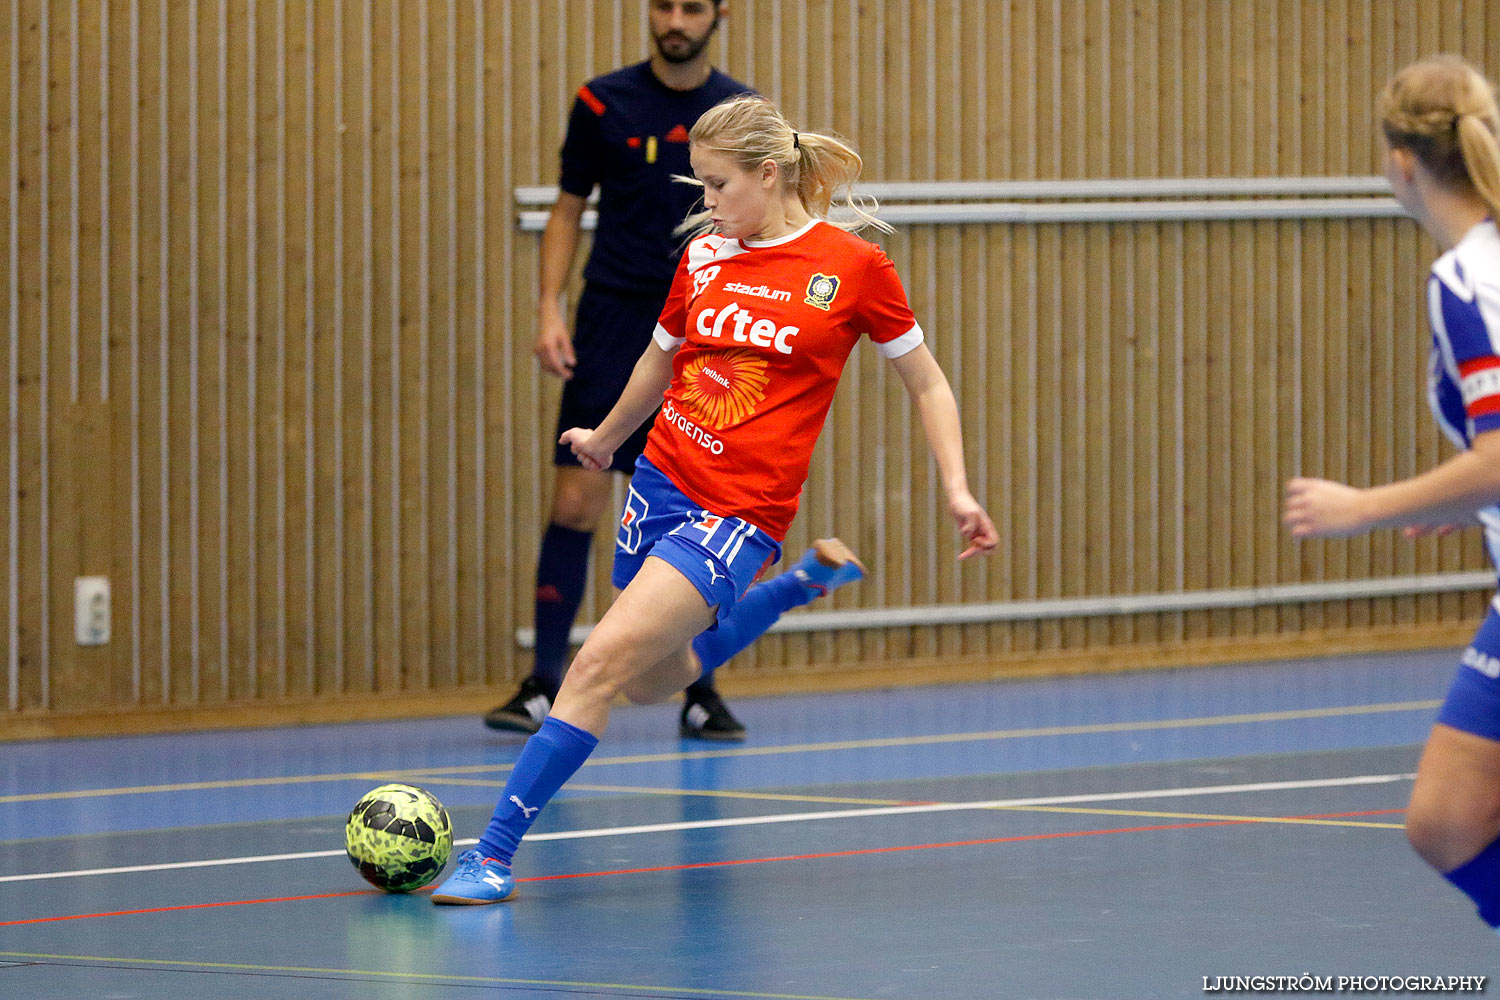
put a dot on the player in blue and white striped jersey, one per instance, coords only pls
(1441, 125)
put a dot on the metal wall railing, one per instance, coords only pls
(1093, 607)
(1171, 200)
(1162, 200)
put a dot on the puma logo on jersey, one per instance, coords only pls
(525, 812)
(714, 576)
(746, 328)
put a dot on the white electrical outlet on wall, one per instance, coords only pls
(91, 610)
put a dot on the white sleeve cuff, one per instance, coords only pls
(908, 341)
(665, 340)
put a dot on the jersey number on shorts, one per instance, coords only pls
(709, 524)
(636, 508)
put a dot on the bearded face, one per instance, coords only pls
(681, 28)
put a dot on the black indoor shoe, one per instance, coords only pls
(706, 717)
(523, 713)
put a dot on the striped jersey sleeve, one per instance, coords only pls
(1465, 303)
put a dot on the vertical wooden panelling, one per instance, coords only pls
(468, 339)
(10, 52)
(268, 363)
(27, 353)
(1020, 523)
(328, 376)
(389, 348)
(114, 257)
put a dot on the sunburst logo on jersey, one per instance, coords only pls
(723, 387)
(821, 289)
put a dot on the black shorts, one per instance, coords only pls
(610, 332)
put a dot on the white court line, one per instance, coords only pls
(804, 817)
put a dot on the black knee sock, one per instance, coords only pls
(561, 571)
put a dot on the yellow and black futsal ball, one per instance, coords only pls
(399, 837)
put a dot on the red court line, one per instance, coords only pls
(722, 864)
(883, 850)
(951, 843)
(189, 906)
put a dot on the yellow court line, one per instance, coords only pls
(709, 793)
(1145, 813)
(1084, 811)
(421, 976)
(1289, 715)
(417, 779)
(756, 796)
(1212, 817)
(439, 773)
(198, 786)
(833, 800)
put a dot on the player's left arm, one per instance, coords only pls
(1452, 491)
(933, 398)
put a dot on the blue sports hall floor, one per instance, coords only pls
(1119, 836)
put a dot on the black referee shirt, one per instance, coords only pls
(628, 134)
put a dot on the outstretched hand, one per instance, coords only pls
(974, 525)
(581, 441)
(1321, 508)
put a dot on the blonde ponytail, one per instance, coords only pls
(821, 169)
(827, 167)
(1443, 111)
(1481, 155)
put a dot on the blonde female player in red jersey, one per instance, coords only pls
(762, 315)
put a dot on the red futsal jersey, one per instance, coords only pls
(762, 331)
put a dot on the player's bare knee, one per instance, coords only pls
(576, 513)
(640, 692)
(663, 681)
(1428, 836)
(594, 675)
(580, 499)
(1447, 837)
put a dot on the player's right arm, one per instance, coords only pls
(595, 447)
(649, 379)
(554, 344)
(1454, 490)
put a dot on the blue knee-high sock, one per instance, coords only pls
(549, 758)
(561, 573)
(748, 620)
(1479, 879)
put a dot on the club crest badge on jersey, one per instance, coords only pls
(821, 290)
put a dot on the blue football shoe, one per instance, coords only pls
(477, 880)
(827, 566)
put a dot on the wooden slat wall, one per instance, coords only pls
(269, 318)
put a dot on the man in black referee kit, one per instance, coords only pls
(628, 134)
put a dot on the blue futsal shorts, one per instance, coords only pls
(722, 556)
(1473, 702)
